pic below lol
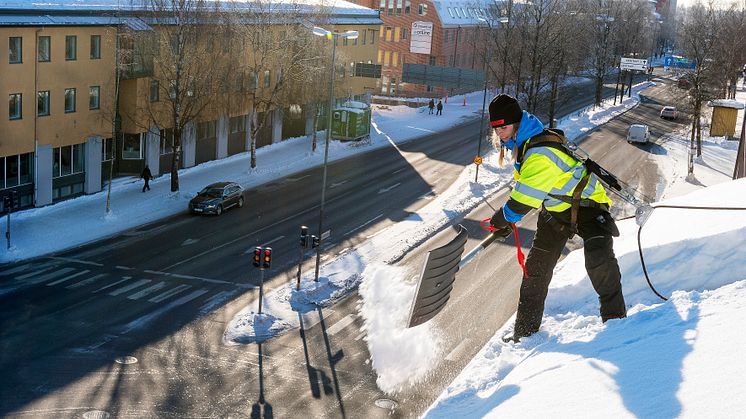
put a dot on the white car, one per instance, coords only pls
(638, 133)
(669, 112)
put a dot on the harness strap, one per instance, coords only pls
(576, 195)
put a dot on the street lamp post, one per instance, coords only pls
(487, 56)
(333, 37)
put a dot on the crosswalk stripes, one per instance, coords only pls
(160, 297)
(113, 284)
(340, 324)
(129, 287)
(50, 275)
(11, 271)
(149, 290)
(85, 281)
(30, 274)
(67, 278)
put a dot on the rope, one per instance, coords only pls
(639, 244)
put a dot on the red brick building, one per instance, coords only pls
(453, 41)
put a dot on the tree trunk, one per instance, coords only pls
(254, 131)
(175, 159)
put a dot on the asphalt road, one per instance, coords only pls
(72, 324)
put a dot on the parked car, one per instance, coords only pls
(684, 82)
(638, 133)
(669, 112)
(216, 198)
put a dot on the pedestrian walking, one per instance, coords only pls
(147, 176)
(570, 201)
(440, 108)
(430, 106)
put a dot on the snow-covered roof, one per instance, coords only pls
(726, 103)
(455, 13)
(83, 12)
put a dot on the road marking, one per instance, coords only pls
(295, 179)
(124, 268)
(272, 241)
(30, 274)
(160, 297)
(341, 324)
(148, 317)
(384, 190)
(457, 350)
(403, 168)
(422, 129)
(124, 278)
(129, 287)
(218, 298)
(334, 185)
(149, 290)
(85, 281)
(59, 281)
(364, 224)
(360, 336)
(84, 262)
(187, 242)
(51, 275)
(16, 269)
(148, 271)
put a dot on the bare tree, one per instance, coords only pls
(698, 37)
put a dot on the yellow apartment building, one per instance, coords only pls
(76, 99)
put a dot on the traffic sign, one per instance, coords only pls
(478, 160)
(633, 64)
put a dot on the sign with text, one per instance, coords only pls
(422, 37)
(634, 64)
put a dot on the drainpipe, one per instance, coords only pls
(36, 115)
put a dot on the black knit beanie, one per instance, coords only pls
(504, 110)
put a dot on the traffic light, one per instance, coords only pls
(267, 257)
(304, 237)
(15, 199)
(315, 241)
(6, 203)
(257, 256)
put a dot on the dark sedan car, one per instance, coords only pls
(216, 198)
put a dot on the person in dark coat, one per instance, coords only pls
(431, 106)
(146, 175)
(440, 108)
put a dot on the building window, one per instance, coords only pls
(384, 84)
(342, 71)
(132, 147)
(44, 48)
(394, 58)
(407, 6)
(69, 100)
(267, 78)
(15, 50)
(16, 170)
(382, 6)
(398, 7)
(167, 141)
(42, 103)
(172, 89)
(364, 33)
(422, 9)
(386, 58)
(107, 149)
(393, 87)
(388, 33)
(390, 11)
(344, 42)
(404, 33)
(94, 97)
(71, 47)
(95, 47)
(397, 34)
(432, 60)
(237, 124)
(154, 91)
(254, 81)
(15, 101)
(68, 160)
(372, 36)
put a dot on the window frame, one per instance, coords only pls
(71, 47)
(74, 101)
(91, 96)
(39, 95)
(17, 99)
(19, 50)
(155, 94)
(48, 43)
(95, 47)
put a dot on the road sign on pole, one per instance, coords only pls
(633, 64)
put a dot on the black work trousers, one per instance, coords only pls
(596, 227)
